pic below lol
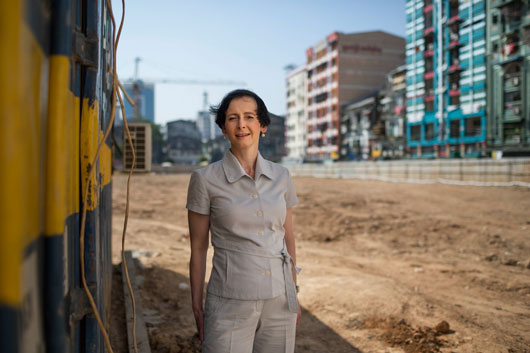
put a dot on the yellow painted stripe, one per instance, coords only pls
(73, 122)
(56, 150)
(89, 143)
(23, 72)
(105, 162)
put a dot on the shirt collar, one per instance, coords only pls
(234, 171)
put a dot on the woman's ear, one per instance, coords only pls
(264, 129)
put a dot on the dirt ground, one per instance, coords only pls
(387, 267)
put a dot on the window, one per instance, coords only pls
(415, 132)
(321, 97)
(429, 106)
(512, 133)
(473, 127)
(429, 132)
(454, 129)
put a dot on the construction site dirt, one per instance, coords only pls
(387, 267)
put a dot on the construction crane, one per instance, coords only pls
(137, 84)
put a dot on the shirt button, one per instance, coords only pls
(254, 196)
(260, 233)
(260, 213)
(267, 273)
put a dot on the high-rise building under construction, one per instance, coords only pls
(446, 77)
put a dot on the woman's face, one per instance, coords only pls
(242, 125)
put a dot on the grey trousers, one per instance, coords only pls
(248, 326)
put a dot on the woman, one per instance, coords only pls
(245, 202)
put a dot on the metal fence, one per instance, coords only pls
(481, 172)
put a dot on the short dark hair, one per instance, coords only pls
(220, 110)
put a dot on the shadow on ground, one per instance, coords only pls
(171, 325)
(312, 335)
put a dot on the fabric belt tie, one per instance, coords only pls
(290, 287)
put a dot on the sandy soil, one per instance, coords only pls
(387, 267)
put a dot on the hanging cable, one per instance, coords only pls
(115, 92)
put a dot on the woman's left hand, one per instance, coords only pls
(299, 315)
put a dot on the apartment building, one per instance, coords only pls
(446, 78)
(295, 119)
(392, 112)
(359, 126)
(373, 127)
(508, 128)
(340, 69)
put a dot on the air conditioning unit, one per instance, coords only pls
(141, 141)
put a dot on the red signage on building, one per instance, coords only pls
(356, 48)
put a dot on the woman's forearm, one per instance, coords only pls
(197, 275)
(199, 228)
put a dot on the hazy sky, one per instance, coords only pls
(250, 41)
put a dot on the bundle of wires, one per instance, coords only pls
(115, 94)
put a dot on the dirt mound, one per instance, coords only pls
(412, 340)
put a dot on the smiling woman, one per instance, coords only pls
(245, 202)
(242, 125)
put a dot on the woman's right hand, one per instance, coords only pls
(199, 321)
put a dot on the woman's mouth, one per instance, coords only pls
(242, 135)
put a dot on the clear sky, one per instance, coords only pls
(249, 41)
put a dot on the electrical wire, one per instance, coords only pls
(115, 92)
(124, 261)
(116, 84)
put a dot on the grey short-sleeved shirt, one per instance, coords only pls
(246, 224)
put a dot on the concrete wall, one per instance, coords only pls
(454, 171)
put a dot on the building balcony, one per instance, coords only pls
(454, 68)
(512, 111)
(454, 92)
(454, 44)
(428, 53)
(512, 83)
(428, 98)
(428, 75)
(513, 26)
(428, 8)
(454, 19)
(499, 3)
(429, 31)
